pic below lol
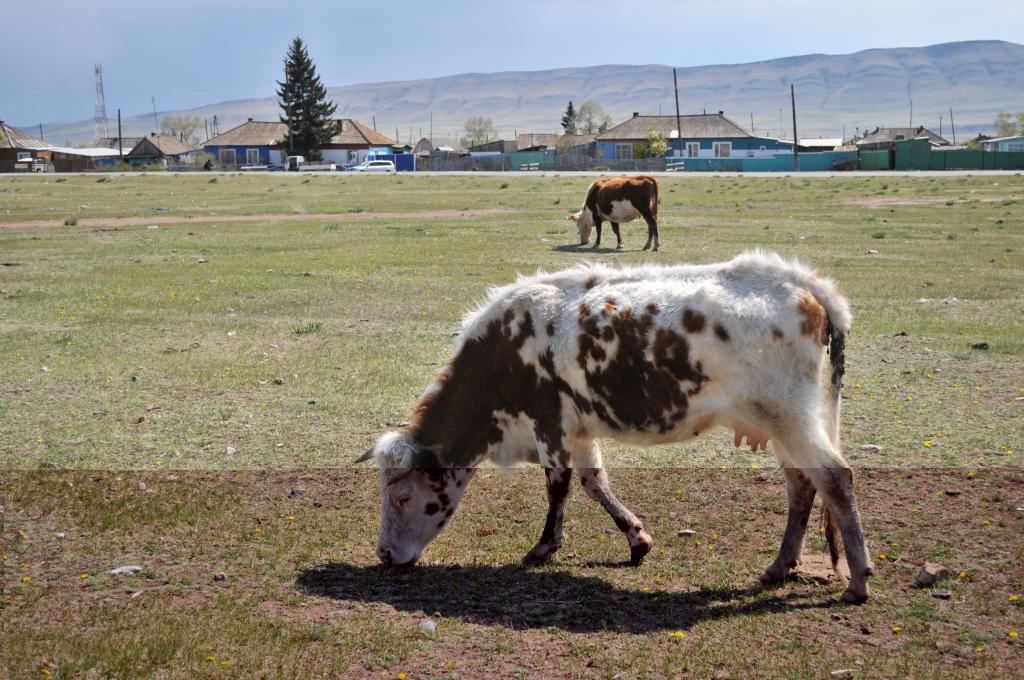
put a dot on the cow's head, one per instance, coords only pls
(584, 224)
(416, 498)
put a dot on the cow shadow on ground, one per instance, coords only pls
(519, 597)
(588, 250)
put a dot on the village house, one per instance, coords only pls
(160, 149)
(1011, 144)
(263, 143)
(881, 138)
(17, 149)
(709, 135)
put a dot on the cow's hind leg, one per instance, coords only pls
(801, 497)
(652, 229)
(595, 483)
(812, 452)
(618, 236)
(558, 483)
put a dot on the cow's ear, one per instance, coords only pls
(367, 455)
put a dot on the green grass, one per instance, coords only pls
(164, 388)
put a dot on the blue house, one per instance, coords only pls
(1005, 144)
(251, 143)
(708, 135)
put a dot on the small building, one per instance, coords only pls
(439, 146)
(160, 149)
(354, 141)
(882, 138)
(540, 141)
(17, 149)
(490, 148)
(703, 135)
(254, 142)
(72, 159)
(1013, 144)
(812, 144)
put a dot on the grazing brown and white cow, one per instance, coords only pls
(646, 355)
(619, 199)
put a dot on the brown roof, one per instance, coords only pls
(11, 138)
(264, 133)
(883, 135)
(166, 146)
(111, 142)
(695, 126)
(353, 132)
(251, 133)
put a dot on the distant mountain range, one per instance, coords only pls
(865, 89)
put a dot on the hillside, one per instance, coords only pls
(864, 89)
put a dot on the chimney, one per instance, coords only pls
(152, 134)
(721, 113)
(250, 120)
(636, 114)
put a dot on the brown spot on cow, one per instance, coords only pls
(630, 391)
(721, 333)
(777, 334)
(608, 307)
(815, 323)
(693, 322)
(550, 328)
(590, 283)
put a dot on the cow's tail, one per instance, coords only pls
(837, 360)
(655, 199)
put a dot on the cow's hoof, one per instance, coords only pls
(647, 247)
(851, 596)
(618, 247)
(540, 554)
(655, 249)
(639, 551)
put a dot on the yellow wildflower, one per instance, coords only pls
(83, 576)
(927, 443)
(678, 634)
(979, 650)
(1013, 635)
(1014, 598)
(897, 629)
(291, 518)
(26, 579)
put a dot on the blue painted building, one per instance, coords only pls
(709, 135)
(1005, 144)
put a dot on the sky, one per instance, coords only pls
(194, 52)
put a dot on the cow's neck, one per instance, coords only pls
(452, 425)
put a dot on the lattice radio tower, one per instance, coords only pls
(101, 107)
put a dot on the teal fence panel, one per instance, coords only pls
(533, 160)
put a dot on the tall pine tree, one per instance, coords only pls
(303, 98)
(569, 120)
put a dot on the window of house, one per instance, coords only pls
(1015, 147)
(623, 152)
(227, 157)
(252, 156)
(723, 149)
(692, 149)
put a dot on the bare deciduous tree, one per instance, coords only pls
(185, 128)
(478, 131)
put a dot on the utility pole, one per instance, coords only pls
(374, 118)
(679, 126)
(952, 125)
(940, 125)
(431, 130)
(781, 127)
(41, 133)
(156, 123)
(120, 142)
(751, 122)
(796, 152)
(206, 126)
(911, 113)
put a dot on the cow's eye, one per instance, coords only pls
(403, 500)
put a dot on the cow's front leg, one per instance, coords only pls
(597, 226)
(558, 483)
(618, 236)
(595, 483)
(801, 497)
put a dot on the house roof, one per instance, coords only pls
(251, 133)
(168, 146)
(87, 152)
(353, 132)
(1003, 139)
(111, 142)
(883, 135)
(10, 138)
(266, 133)
(694, 126)
(531, 140)
(426, 145)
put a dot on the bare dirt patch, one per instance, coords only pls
(289, 217)
(895, 202)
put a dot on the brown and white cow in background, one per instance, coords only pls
(646, 355)
(617, 200)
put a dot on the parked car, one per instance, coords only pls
(374, 166)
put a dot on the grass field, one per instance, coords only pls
(179, 352)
